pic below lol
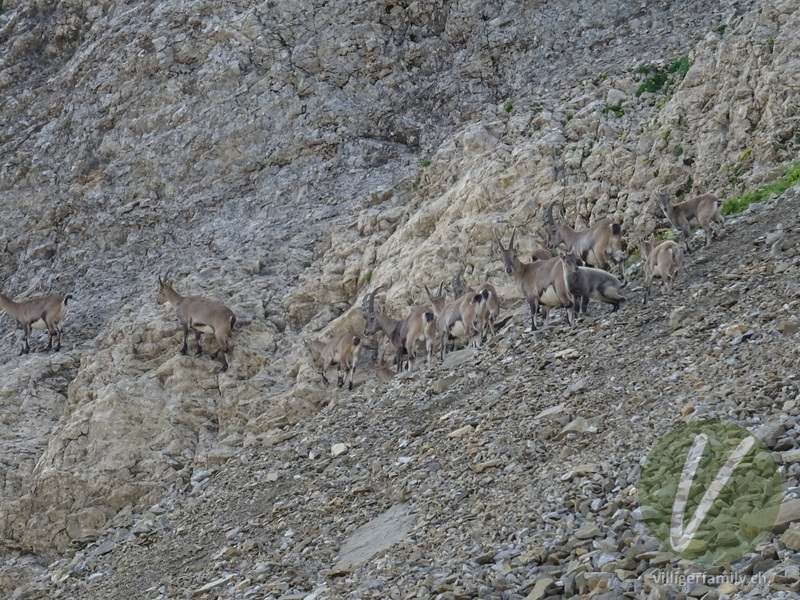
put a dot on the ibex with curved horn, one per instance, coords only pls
(541, 282)
(403, 334)
(201, 315)
(595, 246)
(41, 312)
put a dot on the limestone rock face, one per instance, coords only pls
(287, 157)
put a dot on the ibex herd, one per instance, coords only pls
(548, 281)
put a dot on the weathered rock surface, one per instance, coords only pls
(286, 157)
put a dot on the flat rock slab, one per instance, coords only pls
(378, 534)
(459, 357)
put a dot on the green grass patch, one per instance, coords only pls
(658, 78)
(616, 109)
(777, 187)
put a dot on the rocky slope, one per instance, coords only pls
(508, 472)
(279, 157)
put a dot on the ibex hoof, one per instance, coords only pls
(350, 387)
(224, 368)
(340, 383)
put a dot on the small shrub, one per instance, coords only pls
(367, 277)
(508, 107)
(617, 110)
(666, 133)
(599, 79)
(306, 265)
(678, 151)
(720, 29)
(424, 164)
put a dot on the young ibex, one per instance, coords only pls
(541, 282)
(344, 350)
(489, 308)
(404, 334)
(41, 312)
(588, 283)
(459, 318)
(542, 252)
(594, 246)
(202, 316)
(705, 210)
(665, 260)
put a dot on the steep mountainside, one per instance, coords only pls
(287, 157)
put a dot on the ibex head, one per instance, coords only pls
(508, 254)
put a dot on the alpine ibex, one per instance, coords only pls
(343, 350)
(705, 210)
(461, 317)
(404, 334)
(596, 246)
(41, 312)
(665, 260)
(588, 283)
(541, 282)
(202, 316)
(489, 308)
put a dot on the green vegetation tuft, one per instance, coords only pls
(616, 109)
(658, 78)
(777, 187)
(367, 277)
(508, 106)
